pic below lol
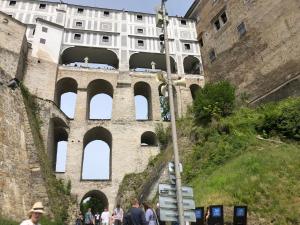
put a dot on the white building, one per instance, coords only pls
(66, 34)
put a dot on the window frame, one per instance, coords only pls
(77, 37)
(105, 39)
(12, 3)
(141, 43)
(139, 17)
(42, 41)
(78, 22)
(187, 47)
(42, 6)
(45, 29)
(106, 13)
(80, 10)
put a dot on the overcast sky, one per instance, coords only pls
(174, 7)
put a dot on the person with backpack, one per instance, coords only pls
(135, 215)
(150, 215)
(118, 215)
(88, 217)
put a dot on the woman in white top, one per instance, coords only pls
(34, 214)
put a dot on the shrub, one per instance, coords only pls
(213, 101)
(163, 135)
(281, 119)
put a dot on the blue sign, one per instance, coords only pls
(240, 212)
(216, 212)
(199, 214)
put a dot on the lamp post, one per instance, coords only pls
(173, 120)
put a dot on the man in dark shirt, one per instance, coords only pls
(135, 215)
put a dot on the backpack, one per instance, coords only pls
(127, 219)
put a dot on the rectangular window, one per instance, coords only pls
(183, 22)
(77, 36)
(212, 55)
(140, 30)
(105, 39)
(80, 10)
(42, 6)
(139, 17)
(140, 43)
(187, 46)
(78, 24)
(106, 13)
(241, 29)
(224, 17)
(12, 3)
(217, 24)
(43, 41)
(44, 29)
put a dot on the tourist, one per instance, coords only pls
(149, 214)
(79, 220)
(88, 217)
(207, 215)
(34, 214)
(119, 213)
(105, 216)
(135, 215)
(97, 218)
(157, 211)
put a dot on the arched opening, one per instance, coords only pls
(96, 163)
(143, 105)
(65, 95)
(96, 200)
(57, 144)
(90, 57)
(164, 103)
(191, 65)
(194, 88)
(144, 62)
(99, 99)
(148, 139)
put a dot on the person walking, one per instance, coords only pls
(88, 217)
(35, 214)
(149, 214)
(97, 218)
(105, 217)
(135, 215)
(118, 215)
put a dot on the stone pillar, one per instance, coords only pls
(123, 102)
(156, 114)
(81, 105)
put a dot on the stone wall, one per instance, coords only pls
(13, 46)
(262, 59)
(21, 181)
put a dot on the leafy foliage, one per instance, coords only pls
(95, 204)
(163, 135)
(215, 100)
(282, 120)
(165, 108)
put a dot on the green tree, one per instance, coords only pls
(213, 101)
(165, 108)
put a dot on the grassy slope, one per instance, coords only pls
(230, 165)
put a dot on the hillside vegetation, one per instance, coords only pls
(246, 156)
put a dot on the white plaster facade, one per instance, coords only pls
(123, 28)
